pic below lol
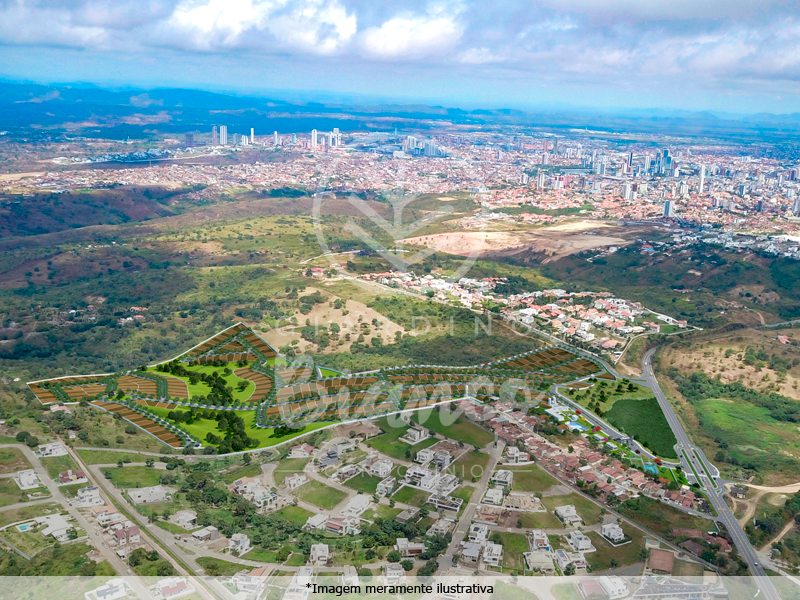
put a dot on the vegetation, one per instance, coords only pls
(645, 422)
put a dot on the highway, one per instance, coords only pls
(695, 457)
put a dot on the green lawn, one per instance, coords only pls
(387, 442)
(201, 389)
(585, 397)
(589, 511)
(252, 470)
(25, 513)
(294, 514)
(645, 421)
(505, 591)
(387, 512)
(262, 555)
(29, 542)
(465, 493)
(412, 496)
(319, 494)
(364, 483)
(99, 457)
(287, 467)
(11, 494)
(531, 478)
(470, 466)
(172, 528)
(297, 559)
(460, 430)
(565, 591)
(58, 464)
(659, 517)
(626, 554)
(134, 477)
(216, 566)
(514, 544)
(532, 520)
(12, 460)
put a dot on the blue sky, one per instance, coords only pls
(727, 55)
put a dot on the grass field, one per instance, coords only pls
(387, 442)
(11, 494)
(25, 513)
(626, 554)
(57, 464)
(505, 591)
(319, 494)
(659, 517)
(253, 470)
(133, 477)
(99, 457)
(30, 542)
(412, 496)
(460, 430)
(465, 493)
(70, 491)
(294, 514)
(201, 389)
(364, 483)
(387, 512)
(566, 591)
(262, 555)
(514, 544)
(584, 398)
(216, 566)
(645, 422)
(470, 465)
(288, 467)
(533, 520)
(531, 478)
(12, 460)
(588, 511)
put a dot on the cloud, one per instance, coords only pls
(413, 35)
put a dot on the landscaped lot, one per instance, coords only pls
(470, 466)
(412, 496)
(295, 514)
(624, 555)
(589, 511)
(133, 477)
(319, 494)
(12, 460)
(539, 520)
(100, 457)
(58, 464)
(364, 483)
(460, 429)
(11, 494)
(387, 442)
(659, 517)
(514, 545)
(531, 478)
(644, 420)
(287, 467)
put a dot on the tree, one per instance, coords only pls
(149, 462)
(120, 464)
(394, 556)
(614, 563)
(570, 570)
(130, 429)
(407, 564)
(32, 441)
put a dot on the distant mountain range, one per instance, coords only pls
(90, 110)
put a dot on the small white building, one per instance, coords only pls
(568, 515)
(393, 573)
(185, 518)
(579, 542)
(540, 561)
(424, 456)
(56, 526)
(320, 554)
(27, 479)
(493, 496)
(612, 532)
(301, 451)
(206, 534)
(239, 543)
(409, 549)
(614, 587)
(503, 478)
(89, 496)
(251, 587)
(296, 480)
(148, 495)
(112, 590)
(478, 533)
(53, 449)
(416, 434)
(492, 554)
(387, 486)
(380, 468)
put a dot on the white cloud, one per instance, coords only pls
(413, 36)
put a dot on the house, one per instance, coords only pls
(251, 587)
(386, 486)
(185, 518)
(174, 587)
(112, 590)
(319, 554)
(738, 491)
(380, 468)
(471, 551)
(56, 526)
(54, 449)
(301, 451)
(356, 506)
(539, 561)
(613, 586)
(27, 479)
(350, 575)
(515, 456)
(206, 534)
(407, 515)
(297, 589)
(441, 527)
(148, 495)
(409, 549)
(424, 456)
(416, 434)
(493, 496)
(579, 542)
(127, 535)
(239, 543)
(89, 496)
(71, 476)
(503, 478)
(539, 541)
(568, 515)
(262, 497)
(478, 533)
(564, 559)
(442, 459)
(295, 481)
(612, 532)
(444, 502)
(492, 554)
(393, 573)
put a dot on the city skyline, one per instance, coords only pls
(737, 57)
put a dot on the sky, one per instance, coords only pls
(725, 55)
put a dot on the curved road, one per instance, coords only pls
(693, 456)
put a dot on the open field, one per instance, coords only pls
(412, 496)
(659, 517)
(28, 512)
(514, 545)
(295, 514)
(12, 460)
(217, 566)
(589, 511)
(288, 466)
(319, 494)
(470, 465)
(624, 555)
(58, 464)
(530, 478)
(364, 483)
(387, 442)
(11, 494)
(460, 429)
(133, 477)
(99, 457)
(645, 422)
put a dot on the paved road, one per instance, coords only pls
(694, 456)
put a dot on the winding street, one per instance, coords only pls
(691, 455)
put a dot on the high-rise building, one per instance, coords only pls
(669, 208)
(630, 159)
(796, 207)
(214, 136)
(555, 147)
(627, 191)
(760, 206)
(223, 135)
(313, 139)
(294, 138)
(647, 160)
(188, 140)
(252, 135)
(540, 180)
(275, 138)
(701, 187)
(336, 138)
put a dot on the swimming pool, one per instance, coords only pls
(24, 526)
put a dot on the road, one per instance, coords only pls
(691, 455)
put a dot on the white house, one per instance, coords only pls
(539, 541)
(393, 573)
(56, 526)
(295, 481)
(148, 495)
(27, 479)
(319, 554)
(493, 496)
(387, 486)
(540, 561)
(206, 534)
(301, 451)
(614, 587)
(409, 549)
(478, 533)
(568, 514)
(380, 468)
(54, 449)
(239, 543)
(425, 455)
(415, 434)
(251, 587)
(579, 542)
(175, 587)
(112, 590)
(503, 478)
(492, 554)
(612, 532)
(89, 496)
(185, 518)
